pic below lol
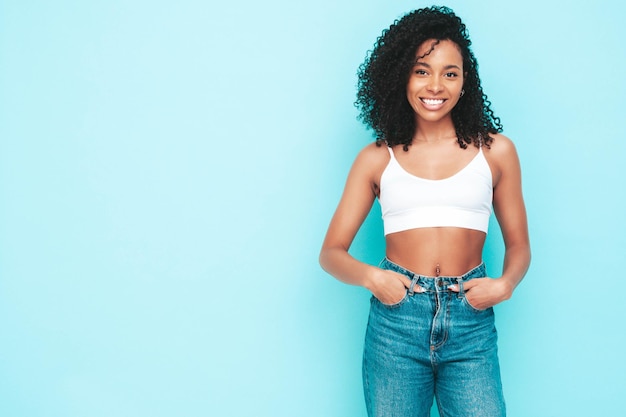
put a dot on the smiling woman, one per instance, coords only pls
(431, 328)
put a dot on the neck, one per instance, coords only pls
(432, 137)
(431, 132)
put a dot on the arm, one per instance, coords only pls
(355, 204)
(508, 204)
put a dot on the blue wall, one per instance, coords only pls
(168, 170)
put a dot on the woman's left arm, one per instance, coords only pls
(508, 204)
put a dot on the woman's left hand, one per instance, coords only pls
(483, 293)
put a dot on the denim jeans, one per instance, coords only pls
(432, 344)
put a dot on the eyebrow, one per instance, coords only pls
(451, 66)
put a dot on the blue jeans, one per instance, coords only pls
(432, 343)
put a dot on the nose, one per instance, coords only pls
(434, 85)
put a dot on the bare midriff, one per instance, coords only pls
(436, 251)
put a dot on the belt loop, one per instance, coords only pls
(461, 290)
(412, 286)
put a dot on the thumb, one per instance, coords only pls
(457, 288)
(467, 285)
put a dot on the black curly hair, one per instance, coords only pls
(384, 75)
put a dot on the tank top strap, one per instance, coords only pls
(393, 156)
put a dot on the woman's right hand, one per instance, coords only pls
(390, 287)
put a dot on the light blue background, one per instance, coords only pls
(168, 170)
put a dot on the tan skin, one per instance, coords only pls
(433, 89)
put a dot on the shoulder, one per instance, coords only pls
(373, 156)
(375, 152)
(370, 163)
(501, 146)
(501, 151)
(501, 155)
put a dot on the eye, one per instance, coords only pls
(420, 72)
(451, 75)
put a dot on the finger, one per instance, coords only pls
(467, 285)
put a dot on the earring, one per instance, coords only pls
(462, 92)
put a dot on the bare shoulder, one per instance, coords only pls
(502, 156)
(501, 151)
(372, 159)
(374, 154)
(501, 147)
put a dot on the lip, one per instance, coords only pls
(433, 103)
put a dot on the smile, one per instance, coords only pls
(432, 101)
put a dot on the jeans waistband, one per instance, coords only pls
(476, 272)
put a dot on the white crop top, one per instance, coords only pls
(462, 200)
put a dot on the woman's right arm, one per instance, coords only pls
(356, 202)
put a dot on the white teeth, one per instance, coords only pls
(432, 102)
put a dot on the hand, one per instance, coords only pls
(390, 287)
(483, 293)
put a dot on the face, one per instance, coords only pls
(436, 81)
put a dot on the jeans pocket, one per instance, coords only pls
(394, 305)
(470, 306)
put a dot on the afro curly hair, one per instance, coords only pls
(383, 77)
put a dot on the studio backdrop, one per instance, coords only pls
(168, 171)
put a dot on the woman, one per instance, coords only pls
(438, 166)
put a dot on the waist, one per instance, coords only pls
(455, 250)
(478, 271)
